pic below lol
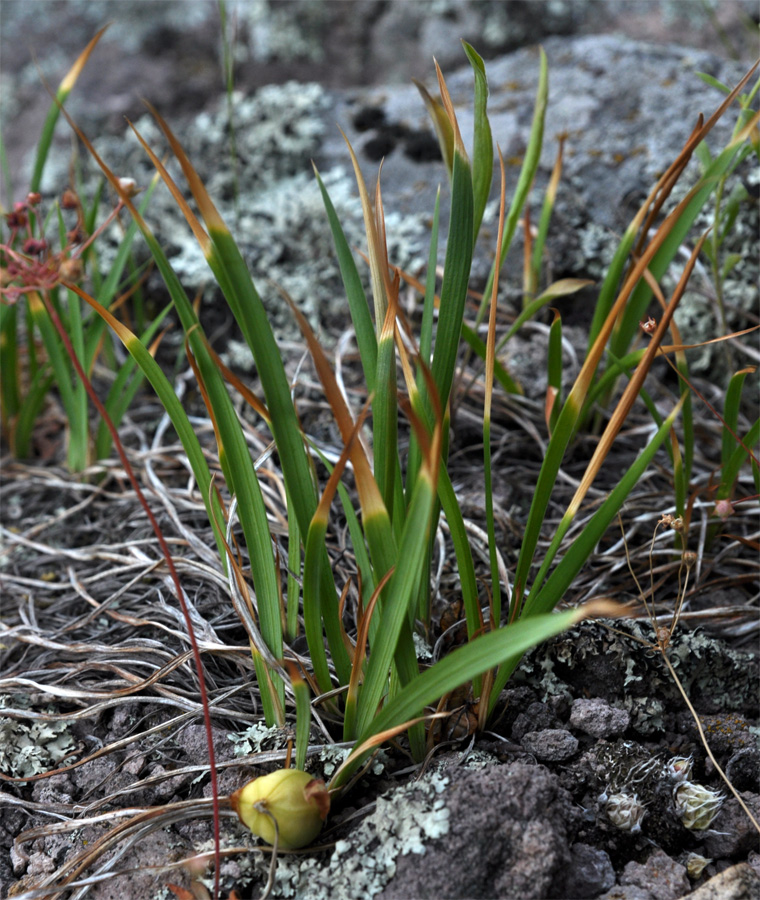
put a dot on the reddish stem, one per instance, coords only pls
(172, 571)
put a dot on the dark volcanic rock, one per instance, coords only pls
(508, 837)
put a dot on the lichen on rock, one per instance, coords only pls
(34, 746)
(363, 863)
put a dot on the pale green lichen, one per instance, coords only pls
(270, 201)
(422, 647)
(478, 759)
(330, 758)
(598, 247)
(362, 864)
(238, 355)
(32, 747)
(283, 31)
(628, 674)
(257, 738)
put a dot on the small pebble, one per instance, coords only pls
(551, 744)
(590, 872)
(737, 883)
(662, 876)
(597, 718)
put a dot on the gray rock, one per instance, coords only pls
(661, 876)
(743, 769)
(590, 872)
(740, 882)
(727, 733)
(731, 831)
(536, 717)
(418, 842)
(593, 660)
(40, 864)
(18, 862)
(551, 744)
(405, 822)
(627, 108)
(628, 892)
(524, 816)
(598, 718)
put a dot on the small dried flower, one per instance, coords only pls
(33, 246)
(625, 811)
(76, 235)
(649, 325)
(17, 218)
(679, 767)
(129, 186)
(695, 865)
(33, 198)
(696, 805)
(663, 636)
(298, 802)
(69, 200)
(724, 509)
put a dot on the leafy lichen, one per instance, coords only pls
(256, 738)
(622, 667)
(363, 863)
(269, 199)
(31, 747)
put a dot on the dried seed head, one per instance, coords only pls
(679, 767)
(33, 198)
(696, 805)
(17, 218)
(34, 246)
(76, 235)
(663, 636)
(298, 802)
(69, 200)
(129, 186)
(689, 558)
(724, 509)
(695, 865)
(71, 269)
(649, 325)
(671, 521)
(625, 811)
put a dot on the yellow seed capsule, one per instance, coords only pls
(297, 801)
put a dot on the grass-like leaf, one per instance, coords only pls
(64, 89)
(465, 663)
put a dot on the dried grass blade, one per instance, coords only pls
(618, 417)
